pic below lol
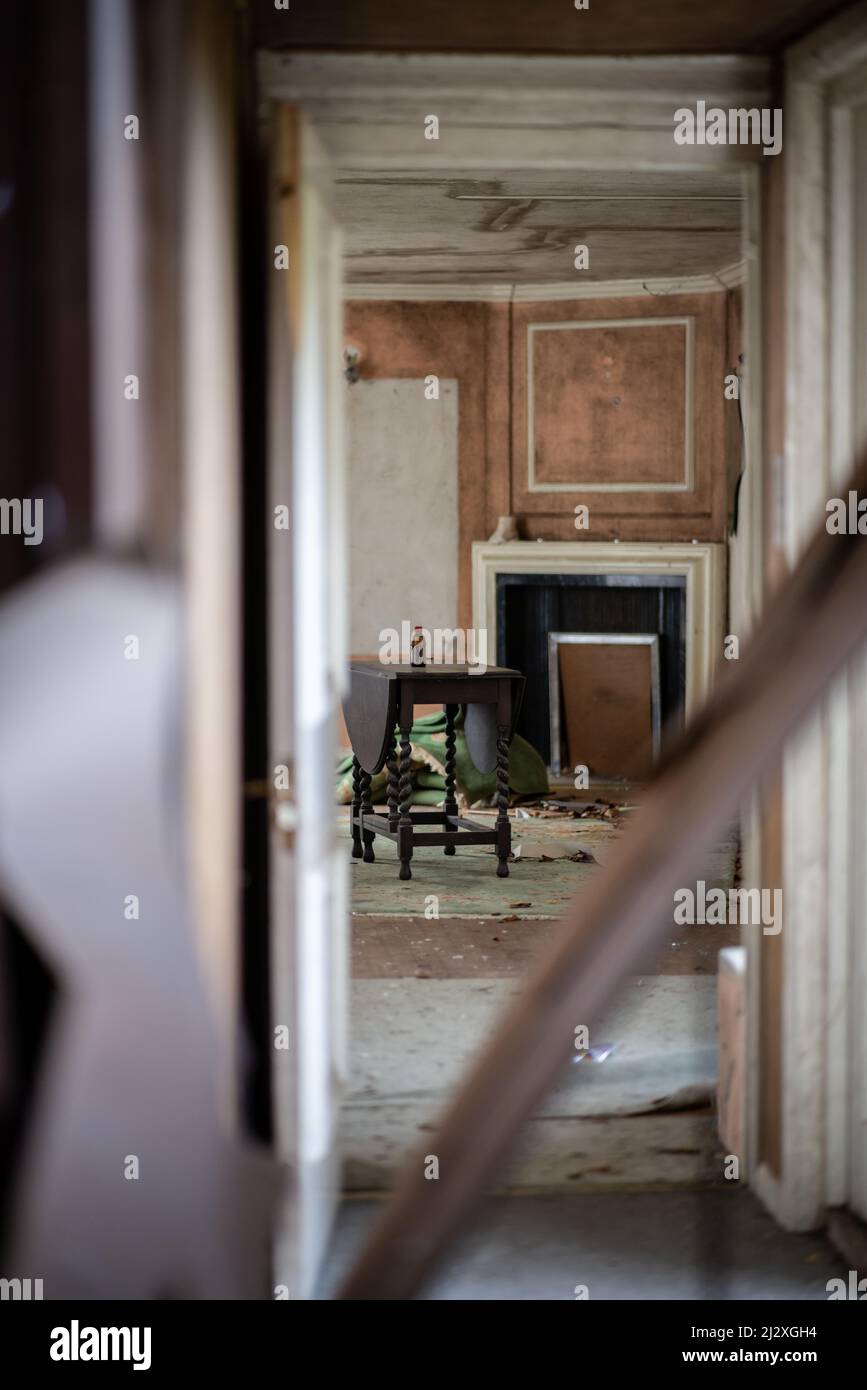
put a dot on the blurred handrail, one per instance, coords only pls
(812, 628)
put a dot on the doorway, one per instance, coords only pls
(453, 263)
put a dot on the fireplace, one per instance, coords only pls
(530, 607)
(668, 598)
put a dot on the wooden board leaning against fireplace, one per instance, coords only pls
(604, 694)
(630, 606)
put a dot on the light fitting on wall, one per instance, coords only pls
(353, 356)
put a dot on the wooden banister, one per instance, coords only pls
(813, 627)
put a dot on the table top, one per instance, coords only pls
(376, 690)
(431, 672)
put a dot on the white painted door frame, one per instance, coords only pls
(856, 755)
(575, 115)
(307, 620)
(824, 1042)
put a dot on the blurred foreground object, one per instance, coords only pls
(128, 1186)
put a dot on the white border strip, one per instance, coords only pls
(729, 277)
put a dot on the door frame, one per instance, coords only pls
(818, 849)
(309, 901)
(623, 109)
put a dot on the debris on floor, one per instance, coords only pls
(600, 809)
(599, 1053)
(437, 957)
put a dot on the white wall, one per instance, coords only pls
(402, 453)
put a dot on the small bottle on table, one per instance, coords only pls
(417, 647)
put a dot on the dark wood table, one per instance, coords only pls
(381, 698)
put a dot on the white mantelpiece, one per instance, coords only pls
(702, 565)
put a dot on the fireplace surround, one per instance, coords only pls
(677, 590)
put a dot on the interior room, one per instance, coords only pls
(557, 342)
(553, 458)
(434, 705)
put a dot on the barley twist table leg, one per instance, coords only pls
(404, 843)
(504, 830)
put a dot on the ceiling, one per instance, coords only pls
(521, 227)
(532, 156)
(540, 26)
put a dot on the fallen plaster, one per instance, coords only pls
(427, 989)
(466, 884)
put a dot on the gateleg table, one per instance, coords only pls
(381, 699)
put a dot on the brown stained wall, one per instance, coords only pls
(735, 349)
(484, 346)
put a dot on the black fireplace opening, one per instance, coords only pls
(530, 606)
